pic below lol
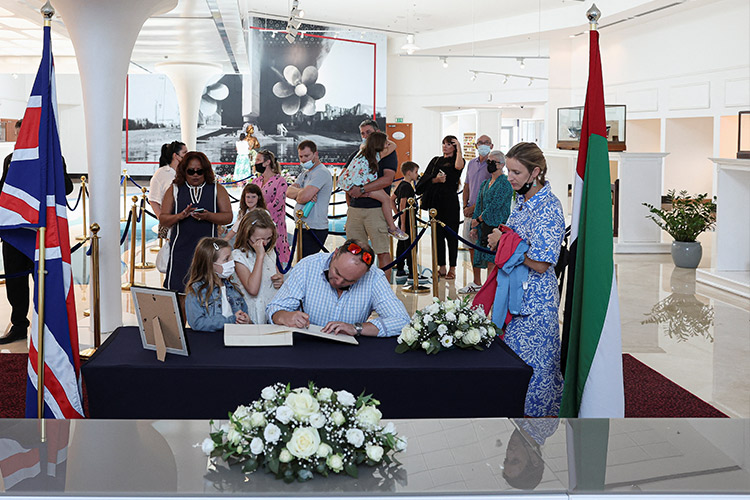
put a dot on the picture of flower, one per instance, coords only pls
(445, 325)
(295, 433)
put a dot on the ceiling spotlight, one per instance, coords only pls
(410, 47)
(301, 13)
(445, 61)
(521, 63)
(273, 34)
(294, 24)
(289, 38)
(531, 80)
(473, 75)
(505, 80)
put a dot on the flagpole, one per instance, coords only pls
(593, 15)
(47, 12)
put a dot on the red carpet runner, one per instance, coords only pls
(647, 393)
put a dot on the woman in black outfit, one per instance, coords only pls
(439, 189)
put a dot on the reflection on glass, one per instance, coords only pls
(523, 466)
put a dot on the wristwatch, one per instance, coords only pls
(361, 190)
(358, 329)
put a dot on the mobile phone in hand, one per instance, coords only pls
(199, 210)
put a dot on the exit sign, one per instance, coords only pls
(399, 120)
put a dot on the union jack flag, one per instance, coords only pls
(34, 197)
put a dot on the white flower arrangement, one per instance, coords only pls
(294, 433)
(445, 325)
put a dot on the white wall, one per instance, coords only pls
(14, 93)
(689, 142)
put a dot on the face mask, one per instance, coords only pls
(364, 140)
(227, 269)
(260, 168)
(307, 165)
(525, 188)
(483, 150)
(491, 166)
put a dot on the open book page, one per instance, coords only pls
(315, 331)
(257, 335)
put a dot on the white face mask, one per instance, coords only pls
(307, 165)
(227, 269)
(483, 150)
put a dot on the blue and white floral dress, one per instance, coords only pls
(535, 333)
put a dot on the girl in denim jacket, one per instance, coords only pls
(212, 299)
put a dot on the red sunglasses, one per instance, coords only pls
(357, 250)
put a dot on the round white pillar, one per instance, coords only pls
(189, 80)
(103, 33)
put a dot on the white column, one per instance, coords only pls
(732, 253)
(640, 177)
(189, 80)
(561, 173)
(103, 33)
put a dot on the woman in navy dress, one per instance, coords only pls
(194, 208)
(535, 333)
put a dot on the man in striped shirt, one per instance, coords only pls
(339, 292)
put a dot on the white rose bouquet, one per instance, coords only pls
(294, 433)
(448, 324)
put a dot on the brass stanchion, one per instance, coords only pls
(415, 287)
(156, 249)
(144, 264)
(40, 322)
(298, 226)
(131, 282)
(83, 201)
(333, 198)
(433, 231)
(124, 195)
(95, 294)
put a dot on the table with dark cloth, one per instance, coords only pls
(125, 381)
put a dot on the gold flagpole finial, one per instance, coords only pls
(593, 15)
(48, 12)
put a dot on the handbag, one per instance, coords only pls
(162, 257)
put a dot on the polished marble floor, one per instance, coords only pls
(694, 334)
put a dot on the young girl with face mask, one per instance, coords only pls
(256, 262)
(212, 296)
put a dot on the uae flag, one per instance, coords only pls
(592, 346)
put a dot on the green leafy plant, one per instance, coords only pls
(689, 216)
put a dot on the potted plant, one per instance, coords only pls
(689, 217)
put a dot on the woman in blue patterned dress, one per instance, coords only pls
(535, 333)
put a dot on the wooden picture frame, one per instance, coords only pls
(152, 304)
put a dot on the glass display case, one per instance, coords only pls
(569, 122)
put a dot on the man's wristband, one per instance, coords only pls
(357, 329)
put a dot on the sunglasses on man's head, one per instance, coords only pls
(358, 250)
(192, 171)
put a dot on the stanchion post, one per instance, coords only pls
(156, 249)
(40, 322)
(96, 321)
(433, 231)
(298, 226)
(333, 198)
(144, 264)
(83, 202)
(415, 286)
(133, 217)
(124, 195)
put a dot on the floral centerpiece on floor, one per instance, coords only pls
(294, 433)
(445, 325)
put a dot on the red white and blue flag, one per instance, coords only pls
(34, 197)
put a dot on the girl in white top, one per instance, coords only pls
(251, 198)
(255, 260)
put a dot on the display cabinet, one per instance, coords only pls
(569, 121)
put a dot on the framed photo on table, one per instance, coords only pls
(159, 321)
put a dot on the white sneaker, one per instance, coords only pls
(470, 288)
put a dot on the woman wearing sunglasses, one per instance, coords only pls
(194, 208)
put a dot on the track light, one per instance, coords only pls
(301, 13)
(410, 47)
(505, 80)
(289, 38)
(473, 75)
(531, 80)
(521, 63)
(445, 61)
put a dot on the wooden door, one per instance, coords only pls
(400, 133)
